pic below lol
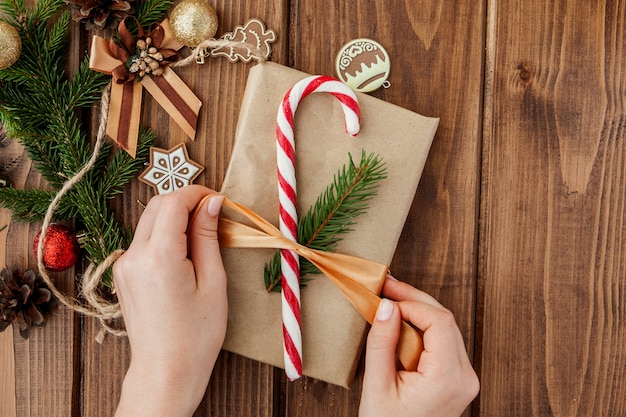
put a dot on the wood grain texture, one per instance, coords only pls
(553, 211)
(7, 351)
(243, 387)
(7, 374)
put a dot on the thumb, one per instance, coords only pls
(204, 248)
(380, 356)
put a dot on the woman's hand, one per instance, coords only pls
(444, 383)
(171, 286)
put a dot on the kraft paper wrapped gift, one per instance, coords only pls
(333, 332)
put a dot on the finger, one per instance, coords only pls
(204, 248)
(205, 254)
(441, 333)
(172, 218)
(145, 224)
(380, 357)
(401, 291)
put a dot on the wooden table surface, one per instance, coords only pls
(518, 225)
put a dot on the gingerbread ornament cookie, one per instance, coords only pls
(252, 34)
(170, 170)
(364, 65)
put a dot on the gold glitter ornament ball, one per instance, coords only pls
(10, 45)
(193, 21)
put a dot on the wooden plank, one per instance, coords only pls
(239, 386)
(7, 374)
(242, 387)
(103, 369)
(436, 51)
(7, 351)
(45, 363)
(553, 211)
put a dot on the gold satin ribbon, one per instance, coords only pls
(360, 280)
(126, 94)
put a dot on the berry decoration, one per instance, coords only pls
(60, 249)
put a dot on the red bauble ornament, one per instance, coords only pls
(60, 249)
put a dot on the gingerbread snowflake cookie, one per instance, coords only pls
(170, 170)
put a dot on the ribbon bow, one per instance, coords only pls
(360, 280)
(138, 63)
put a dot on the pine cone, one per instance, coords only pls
(24, 298)
(100, 14)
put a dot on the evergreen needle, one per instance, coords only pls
(333, 213)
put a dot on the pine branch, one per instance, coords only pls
(14, 8)
(333, 213)
(271, 273)
(31, 205)
(45, 9)
(72, 145)
(147, 13)
(20, 108)
(123, 168)
(41, 152)
(150, 11)
(35, 34)
(57, 40)
(86, 86)
(102, 234)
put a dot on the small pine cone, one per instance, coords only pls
(24, 298)
(100, 14)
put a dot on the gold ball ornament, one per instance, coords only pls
(193, 21)
(10, 45)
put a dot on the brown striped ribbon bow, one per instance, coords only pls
(127, 87)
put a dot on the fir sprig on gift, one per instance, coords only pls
(150, 11)
(41, 108)
(333, 214)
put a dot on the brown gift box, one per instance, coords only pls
(332, 330)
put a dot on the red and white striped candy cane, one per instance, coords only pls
(290, 262)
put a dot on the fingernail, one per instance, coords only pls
(215, 204)
(391, 277)
(385, 310)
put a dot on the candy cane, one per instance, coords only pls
(290, 263)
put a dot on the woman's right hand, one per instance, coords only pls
(444, 383)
